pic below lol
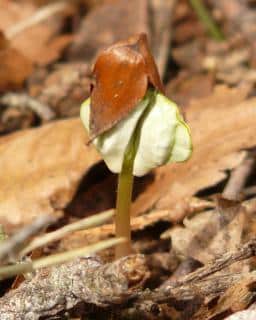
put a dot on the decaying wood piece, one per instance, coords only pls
(246, 251)
(196, 286)
(237, 297)
(83, 280)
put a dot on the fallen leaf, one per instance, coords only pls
(210, 234)
(40, 43)
(117, 22)
(14, 66)
(188, 86)
(222, 124)
(41, 169)
(122, 73)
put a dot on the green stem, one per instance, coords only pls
(125, 185)
(207, 20)
(123, 202)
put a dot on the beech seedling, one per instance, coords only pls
(131, 122)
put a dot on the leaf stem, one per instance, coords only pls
(123, 202)
(207, 20)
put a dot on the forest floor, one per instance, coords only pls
(193, 224)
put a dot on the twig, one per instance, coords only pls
(9, 248)
(82, 224)
(19, 268)
(40, 15)
(149, 304)
(238, 178)
(84, 280)
(246, 251)
(22, 100)
(196, 285)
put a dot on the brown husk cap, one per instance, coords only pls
(122, 73)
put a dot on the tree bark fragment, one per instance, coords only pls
(83, 280)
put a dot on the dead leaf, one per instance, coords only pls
(122, 75)
(118, 21)
(41, 169)
(14, 66)
(41, 43)
(221, 126)
(210, 234)
(188, 86)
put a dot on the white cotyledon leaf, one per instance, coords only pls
(113, 143)
(163, 136)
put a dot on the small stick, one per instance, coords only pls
(82, 224)
(246, 251)
(10, 247)
(238, 178)
(10, 271)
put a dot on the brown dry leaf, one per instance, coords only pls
(41, 169)
(221, 126)
(14, 66)
(118, 21)
(122, 75)
(39, 43)
(211, 233)
(188, 86)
